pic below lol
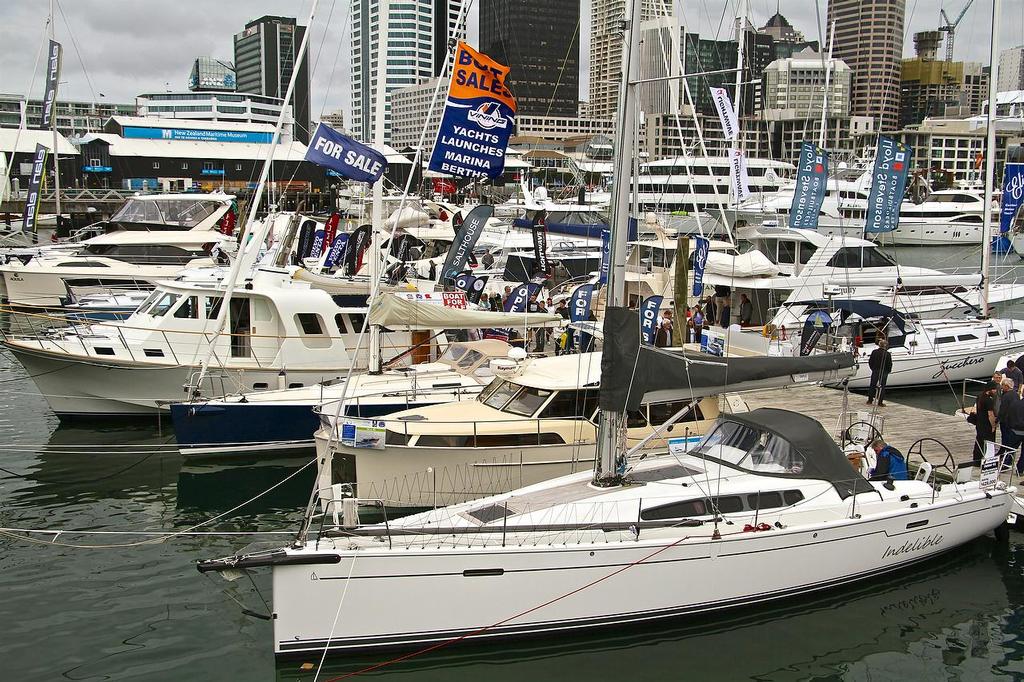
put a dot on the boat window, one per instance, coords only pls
(453, 353)
(966, 337)
(81, 264)
(499, 440)
(153, 352)
(357, 321)
(635, 419)
(765, 500)
(441, 441)
(395, 438)
(469, 359)
(806, 251)
(309, 323)
(188, 309)
(212, 304)
(164, 304)
(526, 402)
(792, 497)
(498, 393)
(339, 320)
(571, 404)
(179, 212)
(993, 333)
(856, 257)
(660, 412)
(675, 510)
(148, 302)
(945, 339)
(730, 504)
(873, 258)
(102, 350)
(728, 441)
(787, 252)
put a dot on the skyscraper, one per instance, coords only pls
(1011, 69)
(539, 40)
(264, 60)
(869, 38)
(417, 45)
(606, 17)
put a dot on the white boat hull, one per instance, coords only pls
(927, 368)
(424, 595)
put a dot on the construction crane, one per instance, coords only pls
(949, 28)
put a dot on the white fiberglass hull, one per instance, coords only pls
(29, 287)
(936, 233)
(412, 597)
(920, 369)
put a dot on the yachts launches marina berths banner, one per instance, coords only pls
(888, 182)
(28, 218)
(479, 116)
(701, 249)
(465, 239)
(738, 175)
(52, 81)
(811, 185)
(649, 318)
(345, 156)
(726, 114)
(1013, 192)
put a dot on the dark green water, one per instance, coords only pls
(142, 612)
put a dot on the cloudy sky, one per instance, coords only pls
(130, 47)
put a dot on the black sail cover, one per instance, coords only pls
(629, 371)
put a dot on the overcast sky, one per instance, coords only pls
(132, 47)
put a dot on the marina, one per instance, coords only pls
(718, 371)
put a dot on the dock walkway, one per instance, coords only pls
(903, 425)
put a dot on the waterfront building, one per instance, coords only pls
(233, 107)
(952, 150)
(74, 118)
(606, 17)
(539, 41)
(869, 38)
(20, 158)
(265, 54)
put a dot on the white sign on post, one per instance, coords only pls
(363, 433)
(989, 466)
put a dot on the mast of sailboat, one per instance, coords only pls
(741, 26)
(990, 159)
(377, 212)
(251, 241)
(610, 427)
(53, 122)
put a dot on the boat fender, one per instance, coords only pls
(282, 380)
(748, 528)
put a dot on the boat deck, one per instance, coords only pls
(903, 425)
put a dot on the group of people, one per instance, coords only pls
(1000, 408)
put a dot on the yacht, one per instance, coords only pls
(942, 217)
(281, 328)
(701, 184)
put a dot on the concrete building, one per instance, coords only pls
(927, 88)
(418, 35)
(1011, 69)
(73, 118)
(233, 107)
(17, 149)
(265, 53)
(794, 87)
(606, 17)
(952, 150)
(869, 38)
(702, 55)
(786, 40)
(335, 119)
(975, 88)
(212, 74)
(540, 41)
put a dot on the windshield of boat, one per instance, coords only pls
(461, 356)
(748, 448)
(177, 212)
(512, 398)
(860, 257)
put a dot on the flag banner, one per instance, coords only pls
(305, 242)
(337, 250)
(606, 252)
(28, 218)
(649, 318)
(358, 242)
(701, 249)
(331, 229)
(52, 81)
(443, 186)
(401, 247)
(520, 297)
(726, 114)
(814, 328)
(811, 186)
(579, 302)
(479, 116)
(472, 285)
(466, 237)
(738, 175)
(1013, 191)
(345, 156)
(317, 249)
(888, 183)
(541, 262)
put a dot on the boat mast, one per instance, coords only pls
(741, 26)
(824, 96)
(377, 212)
(990, 159)
(53, 121)
(610, 427)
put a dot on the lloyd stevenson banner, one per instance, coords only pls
(811, 185)
(350, 159)
(479, 116)
(888, 183)
(1013, 193)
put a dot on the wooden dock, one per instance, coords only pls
(903, 425)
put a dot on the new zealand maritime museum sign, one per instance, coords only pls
(195, 135)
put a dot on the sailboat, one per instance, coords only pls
(765, 506)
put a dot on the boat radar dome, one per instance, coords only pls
(540, 193)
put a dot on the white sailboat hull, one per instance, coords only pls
(930, 368)
(423, 595)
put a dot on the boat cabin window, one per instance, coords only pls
(569, 404)
(339, 321)
(461, 356)
(729, 504)
(498, 393)
(787, 252)
(212, 305)
(178, 212)
(806, 251)
(966, 337)
(164, 304)
(357, 321)
(660, 412)
(635, 419)
(527, 401)
(310, 323)
(751, 449)
(860, 257)
(188, 309)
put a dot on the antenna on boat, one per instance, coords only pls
(611, 433)
(990, 159)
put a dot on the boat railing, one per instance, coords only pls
(408, 396)
(973, 384)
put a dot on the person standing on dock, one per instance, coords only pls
(746, 311)
(880, 363)
(1006, 416)
(1013, 372)
(985, 419)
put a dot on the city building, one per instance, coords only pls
(952, 150)
(975, 88)
(265, 54)
(234, 107)
(17, 150)
(1011, 69)
(73, 118)
(417, 30)
(606, 17)
(704, 55)
(794, 87)
(928, 88)
(212, 74)
(335, 119)
(786, 40)
(539, 41)
(869, 38)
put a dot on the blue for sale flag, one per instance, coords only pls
(345, 156)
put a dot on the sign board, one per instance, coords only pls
(989, 466)
(449, 299)
(97, 169)
(196, 135)
(363, 433)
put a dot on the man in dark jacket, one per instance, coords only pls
(880, 364)
(1006, 418)
(890, 462)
